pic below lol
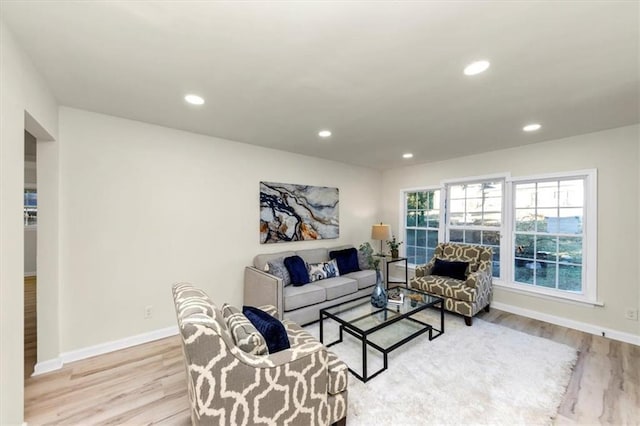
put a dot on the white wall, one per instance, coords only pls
(144, 206)
(23, 93)
(615, 154)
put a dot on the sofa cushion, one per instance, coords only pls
(297, 270)
(323, 270)
(452, 269)
(245, 335)
(366, 278)
(314, 255)
(338, 286)
(301, 296)
(445, 287)
(270, 327)
(347, 260)
(260, 261)
(278, 269)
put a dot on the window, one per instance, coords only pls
(30, 207)
(549, 222)
(422, 221)
(549, 234)
(475, 215)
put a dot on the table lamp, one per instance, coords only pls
(380, 232)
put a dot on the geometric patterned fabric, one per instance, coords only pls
(245, 335)
(466, 297)
(303, 385)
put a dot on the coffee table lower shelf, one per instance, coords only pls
(392, 317)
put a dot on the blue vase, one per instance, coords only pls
(379, 295)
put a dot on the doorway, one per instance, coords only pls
(30, 254)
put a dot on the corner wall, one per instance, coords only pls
(615, 154)
(23, 94)
(143, 206)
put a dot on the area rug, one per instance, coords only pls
(484, 374)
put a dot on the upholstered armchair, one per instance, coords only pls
(302, 385)
(463, 296)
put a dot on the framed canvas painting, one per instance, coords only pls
(290, 212)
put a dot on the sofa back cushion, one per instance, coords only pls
(260, 261)
(478, 257)
(316, 255)
(459, 252)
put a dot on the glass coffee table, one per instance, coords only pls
(383, 329)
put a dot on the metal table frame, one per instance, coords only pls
(348, 327)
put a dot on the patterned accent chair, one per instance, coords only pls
(303, 385)
(467, 297)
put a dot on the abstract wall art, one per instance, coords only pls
(290, 212)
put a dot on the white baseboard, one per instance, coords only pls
(103, 348)
(47, 366)
(30, 274)
(634, 339)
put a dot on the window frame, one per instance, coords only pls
(503, 228)
(507, 231)
(402, 226)
(590, 238)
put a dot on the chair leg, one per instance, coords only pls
(468, 321)
(341, 422)
(487, 308)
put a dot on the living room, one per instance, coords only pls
(129, 204)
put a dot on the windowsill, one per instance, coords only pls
(30, 227)
(540, 293)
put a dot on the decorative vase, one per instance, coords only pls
(395, 253)
(379, 295)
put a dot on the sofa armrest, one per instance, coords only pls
(479, 280)
(424, 270)
(261, 288)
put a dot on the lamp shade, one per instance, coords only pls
(380, 232)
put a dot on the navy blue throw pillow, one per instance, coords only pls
(297, 270)
(453, 269)
(347, 260)
(270, 327)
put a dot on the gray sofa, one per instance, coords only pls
(302, 304)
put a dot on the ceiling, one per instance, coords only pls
(385, 77)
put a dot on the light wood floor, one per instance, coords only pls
(146, 384)
(30, 326)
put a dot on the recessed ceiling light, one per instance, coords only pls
(194, 99)
(476, 67)
(324, 133)
(407, 155)
(531, 127)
